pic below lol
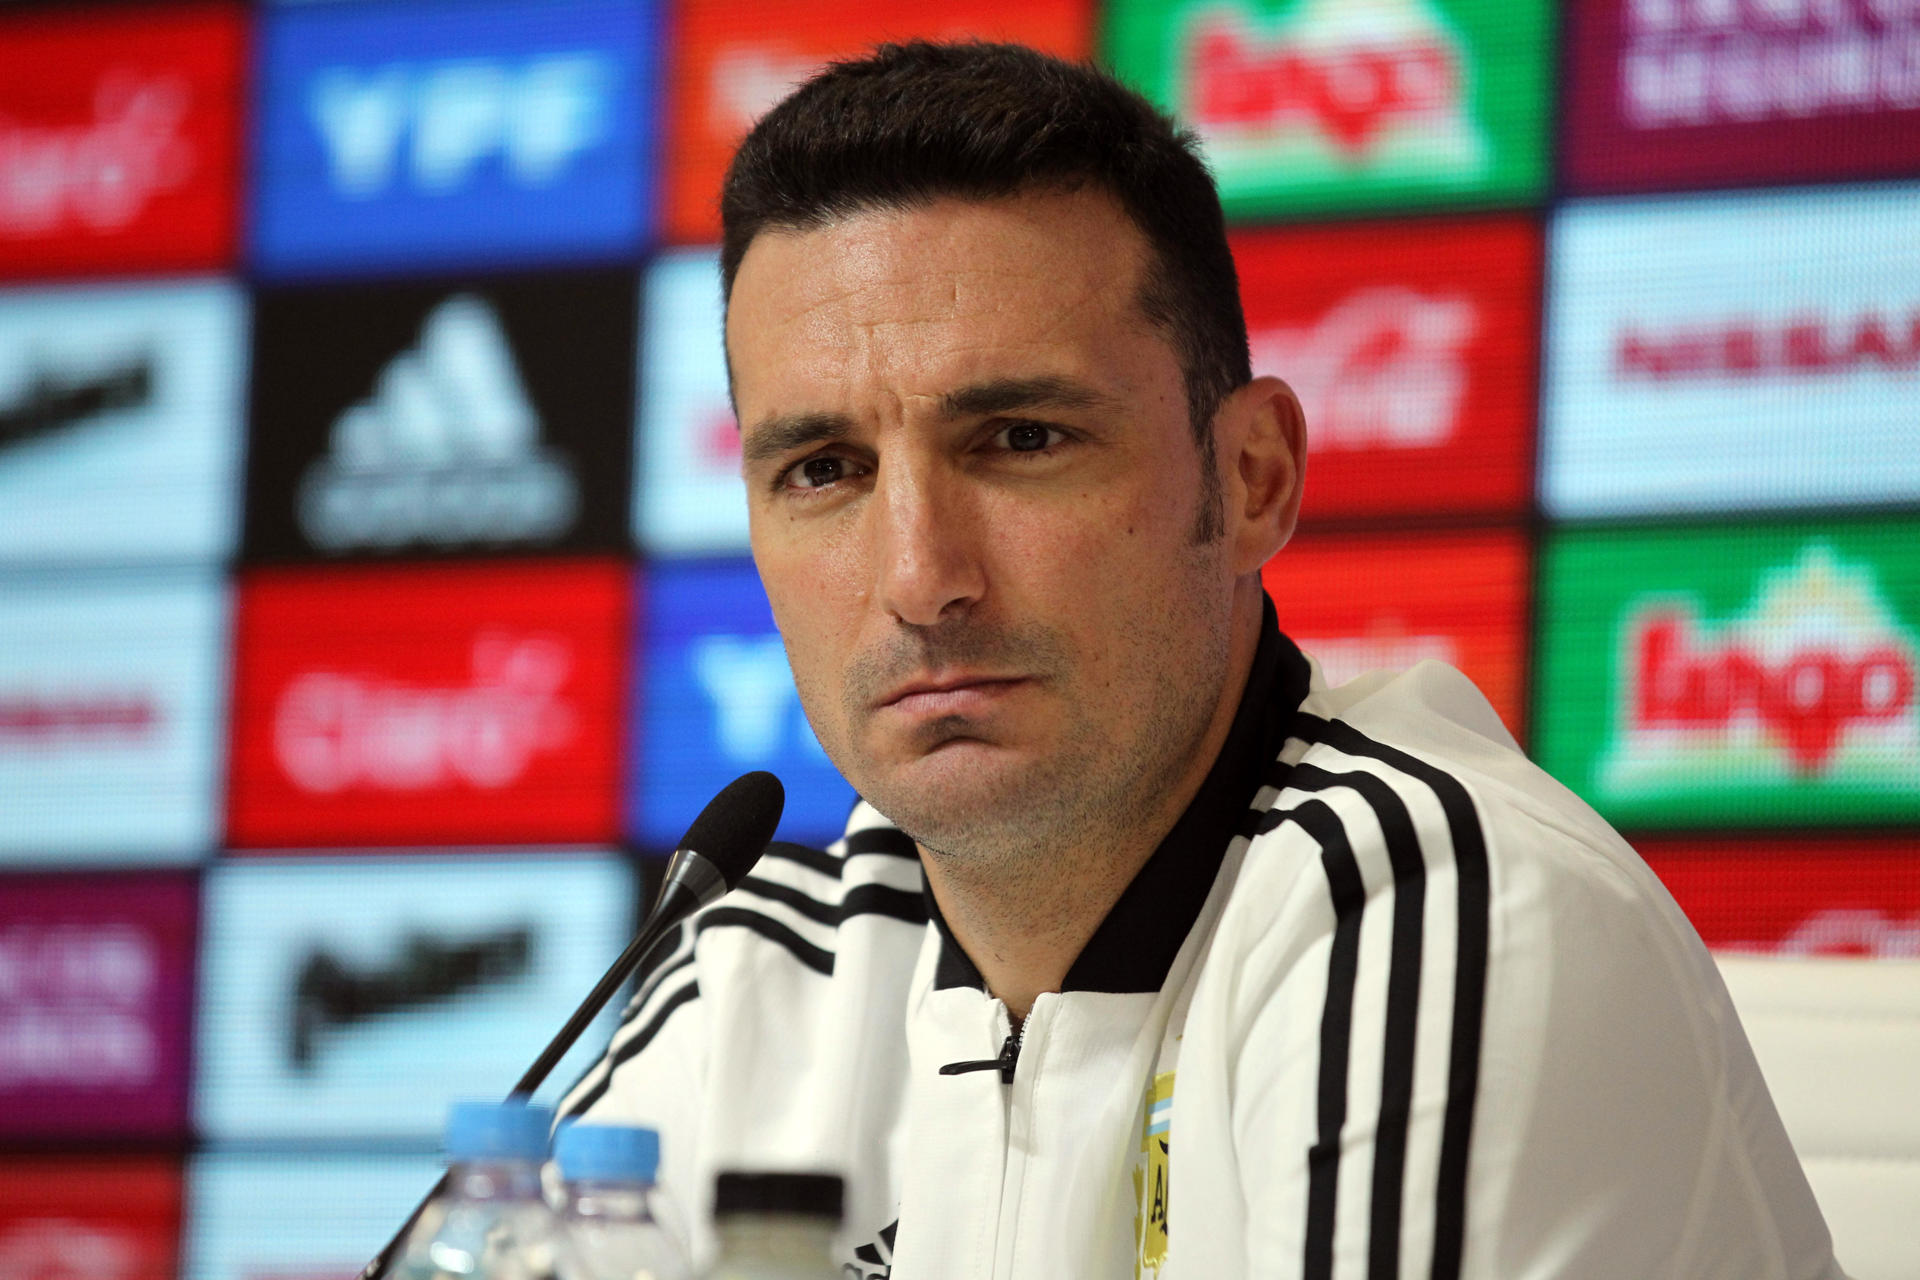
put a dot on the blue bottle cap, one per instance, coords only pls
(607, 1152)
(497, 1131)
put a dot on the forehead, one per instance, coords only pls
(920, 299)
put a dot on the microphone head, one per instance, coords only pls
(737, 825)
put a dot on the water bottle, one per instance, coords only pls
(610, 1226)
(491, 1221)
(776, 1226)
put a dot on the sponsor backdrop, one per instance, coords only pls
(375, 602)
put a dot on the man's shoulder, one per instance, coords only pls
(1432, 736)
(1399, 837)
(1409, 777)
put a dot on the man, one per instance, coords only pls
(1165, 958)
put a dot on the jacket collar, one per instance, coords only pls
(1134, 947)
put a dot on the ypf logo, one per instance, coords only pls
(430, 127)
(1817, 676)
(1385, 367)
(1353, 77)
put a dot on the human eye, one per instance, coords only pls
(1028, 437)
(817, 472)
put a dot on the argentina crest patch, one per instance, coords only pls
(1150, 1179)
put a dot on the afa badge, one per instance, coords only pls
(1150, 1179)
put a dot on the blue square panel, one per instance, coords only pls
(718, 699)
(439, 134)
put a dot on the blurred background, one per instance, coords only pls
(374, 601)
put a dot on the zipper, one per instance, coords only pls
(1009, 1058)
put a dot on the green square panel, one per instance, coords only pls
(1733, 676)
(1310, 106)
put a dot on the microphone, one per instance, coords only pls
(714, 856)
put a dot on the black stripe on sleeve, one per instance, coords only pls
(803, 903)
(1470, 974)
(1336, 1024)
(800, 855)
(1402, 1006)
(861, 900)
(638, 1041)
(884, 900)
(818, 959)
(653, 983)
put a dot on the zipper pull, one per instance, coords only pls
(1008, 1059)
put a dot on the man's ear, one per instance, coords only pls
(1265, 443)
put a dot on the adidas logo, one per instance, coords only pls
(445, 453)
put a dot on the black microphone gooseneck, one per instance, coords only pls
(715, 855)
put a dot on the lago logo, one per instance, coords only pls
(448, 133)
(1735, 675)
(1314, 104)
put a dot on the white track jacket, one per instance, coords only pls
(1388, 1002)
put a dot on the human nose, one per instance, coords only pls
(927, 558)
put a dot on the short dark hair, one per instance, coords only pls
(911, 123)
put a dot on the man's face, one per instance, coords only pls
(973, 490)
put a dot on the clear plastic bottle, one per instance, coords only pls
(776, 1226)
(491, 1221)
(610, 1224)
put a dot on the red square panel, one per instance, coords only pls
(447, 705)
(732, 59)
(120, 139)
(104, 1219)
(1835, 895)
(1361, 602)
(1412, 346)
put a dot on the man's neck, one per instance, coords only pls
(1024, 938)
(1024, 932)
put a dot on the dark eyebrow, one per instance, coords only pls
(779, 436)
(1002, 395)
(776, 437)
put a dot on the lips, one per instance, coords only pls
(949, 693)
